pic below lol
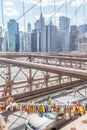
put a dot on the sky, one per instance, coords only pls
(14, 9)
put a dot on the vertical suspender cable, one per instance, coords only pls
(84, 15)
(40, 17)
(40, 7)
(66, 12)
(54, 13)
(76, 16)
(25, 47)
(76, 13)
(2, 14)
(24, 15)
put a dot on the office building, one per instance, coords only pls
(49, 38)
(42, 22)
(5, 42)
(63, 34)
(13, 36)
(25, 41)
(0, 31)
(1, 41)
(36, 34)
(1, 38)
(82, 44)
(39, 24)
(64, 23)
(29, 27)
(82, 29)
(73, 38)
(35, 41)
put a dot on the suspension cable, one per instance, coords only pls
(66, 7)
(2, 14)
(66, 12)
(24, 15)
(76, 13)
(54, 12)
(25, 12)
(40, 7)
(84, 15)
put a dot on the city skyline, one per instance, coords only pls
(54, 39)
(14, 10)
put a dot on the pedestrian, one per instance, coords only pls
(5, 91)
(2, 123)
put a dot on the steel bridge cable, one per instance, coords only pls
(84, 16)
(28, 10)
(66, 13)
(2, 14)
(56, 12)
(84, 20)
(59, 10)
(40, 7)
(75, 14)
(40, 15)
(25, 12)
(71, 46)
(66, 7)
(76, 11)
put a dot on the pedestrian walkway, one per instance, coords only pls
(16, 120)
(78, 124)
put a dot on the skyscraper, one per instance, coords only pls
(73, 28)
(36, 34)
(13, 35)
(42, 22)
(64, 34)
(1, 38)
(5, 43)
(64, 23)
(35, 41)
(73, 37)
(25, 41)
(82, 29)
(1, 41)
(49, 39)
(82, 44)
(39, 24)
(0, 31)
(29, 27)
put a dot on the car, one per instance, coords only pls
(49, 121)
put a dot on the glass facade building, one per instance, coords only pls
(13, 36)
(64, 23)
(49, 39)
(73, 38)
(63, 33)
(25, 41)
